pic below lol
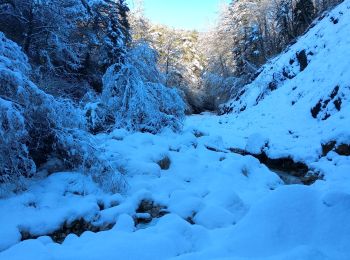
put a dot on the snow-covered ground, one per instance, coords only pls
(211, 203)
(220, 205)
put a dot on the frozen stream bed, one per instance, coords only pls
(203, 204)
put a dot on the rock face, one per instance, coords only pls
(148, 210)
(164, 163)
(341, 149)
(76, 227)
(302, 59)
(325, 107)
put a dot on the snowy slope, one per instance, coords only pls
(296, 108)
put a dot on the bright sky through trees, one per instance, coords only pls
(182, 14)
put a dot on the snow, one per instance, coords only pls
(241, 209)
(220, 205)
(283, 116)
(192, 187)
(256, 143)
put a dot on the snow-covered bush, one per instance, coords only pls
(14, 157)
(135, 97)
(98, 117)
(77, 149)
(31, 119)
(44, 116)
(36, 127)
(144, 59)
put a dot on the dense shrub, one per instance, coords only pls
(36, 127)
(15, 160)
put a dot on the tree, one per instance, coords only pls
(133, 94)
(140, 25)
(106, 34)
(68, 40)
(36, 128)
(284, 19)
(303, 15)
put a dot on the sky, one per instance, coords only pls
(182, 14)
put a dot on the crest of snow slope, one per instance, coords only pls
(278, 103)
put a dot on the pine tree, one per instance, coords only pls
(303, 15)
(284, 19)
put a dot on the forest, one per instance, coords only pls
(136, 140)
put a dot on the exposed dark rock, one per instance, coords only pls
(326, 148)
(302, 59)
(334, 92)
(326, 116)
(316, 109)
(245, 172)
(322, 104)
(31, 204)
(101, 205)
(272, 85)
(76, 227)
(198, 133)
(311, 177)
(334, 20)
(337, 103)
(259, 98)
(297, 169)
(287, 74)
(343, 149)
(325, 103)
(164, 163)
(152, 210)
(171, 149)
(240, 94)
(215, 149)
(238, 151)
(190, 220)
